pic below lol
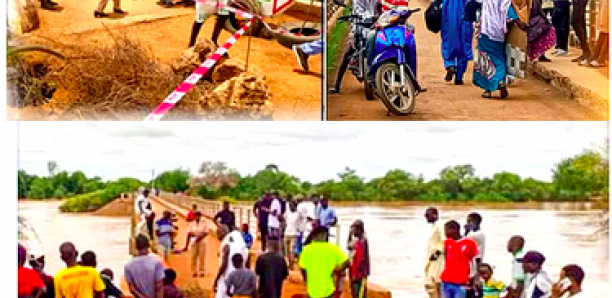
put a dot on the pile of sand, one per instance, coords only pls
(117, 207)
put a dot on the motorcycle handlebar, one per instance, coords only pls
(339, 3)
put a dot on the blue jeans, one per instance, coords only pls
(452, 290)
(313, 47)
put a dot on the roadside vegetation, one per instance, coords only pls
(335, 43)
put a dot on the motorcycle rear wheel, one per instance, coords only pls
(399, 100)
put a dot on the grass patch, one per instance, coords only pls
(334, 41)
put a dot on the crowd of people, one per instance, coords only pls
(293, 232)
(456, 267)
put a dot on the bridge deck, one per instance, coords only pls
(181, 262)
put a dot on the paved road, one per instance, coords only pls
(530, 99)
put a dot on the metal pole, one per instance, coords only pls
(246, 68)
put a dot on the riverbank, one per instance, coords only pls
(594, 204)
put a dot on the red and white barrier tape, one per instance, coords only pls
(162, 109)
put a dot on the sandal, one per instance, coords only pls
(503, 90)
(486, 94)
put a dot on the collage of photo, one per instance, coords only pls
(200, 149)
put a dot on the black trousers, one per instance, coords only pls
(263, 231)
(343, 67)
(561, 21)
(150, 222)
(579, 25)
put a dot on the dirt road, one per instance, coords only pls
(530, 99)
(295, 94)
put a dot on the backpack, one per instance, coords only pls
(433, 16)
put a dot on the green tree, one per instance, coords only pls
(40, 188)
(452, 178)
(24, 182)
(173, 181)
(581, 176)
(399, 185)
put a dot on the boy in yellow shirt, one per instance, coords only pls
(76, 281)
(491, 288)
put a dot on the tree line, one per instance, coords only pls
(580, 177)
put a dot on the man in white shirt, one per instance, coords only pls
(274, 227)
(539, 284)
(145, 213)
(231, 243)
(307, 209)
(293, 219)
(435, 257)
(473, 231)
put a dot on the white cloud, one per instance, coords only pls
(313, 151)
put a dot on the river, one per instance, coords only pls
(397, 238)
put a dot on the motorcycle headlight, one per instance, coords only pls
(386, 20)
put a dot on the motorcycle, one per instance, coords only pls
(358, 61)
(394, 66)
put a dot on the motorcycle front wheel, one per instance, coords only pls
(399, 100)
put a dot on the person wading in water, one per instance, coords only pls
(435, 260)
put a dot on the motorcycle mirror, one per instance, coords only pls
(339, 3)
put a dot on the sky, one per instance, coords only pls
(312, 151)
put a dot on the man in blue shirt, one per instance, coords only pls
(326, 215)
(164, 232)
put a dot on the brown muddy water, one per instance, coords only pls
(397, 240)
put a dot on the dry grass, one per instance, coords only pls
(118, 80)
(193, 291)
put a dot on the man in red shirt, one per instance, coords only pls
(360, 264)
(459, 254)
(191, 213)
(29, 283)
